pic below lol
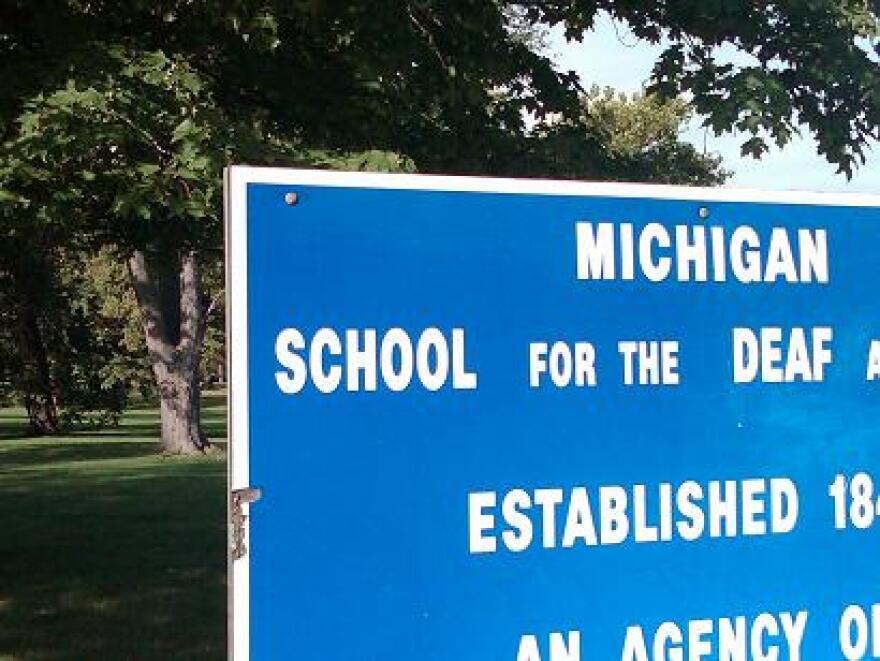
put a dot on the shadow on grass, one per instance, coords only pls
(44, 452)
(109, 550)
(13, 424)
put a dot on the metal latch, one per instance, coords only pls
(238, 519)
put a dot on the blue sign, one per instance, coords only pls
(526, 420)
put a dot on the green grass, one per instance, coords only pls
(109, 550)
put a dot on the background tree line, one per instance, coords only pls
(116, 120)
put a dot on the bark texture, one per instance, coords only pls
(168, 291)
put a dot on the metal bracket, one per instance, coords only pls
(238, 519)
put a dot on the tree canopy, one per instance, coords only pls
(116, 122)
(449, 83)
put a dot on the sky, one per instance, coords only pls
(611, 55)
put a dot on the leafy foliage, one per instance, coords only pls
(115, 125)
(448, 83)
(56, 351)
(812, 62)
(643, 133)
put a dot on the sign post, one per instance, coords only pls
(536, 420)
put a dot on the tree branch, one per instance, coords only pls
(140, 130)
(426, 33)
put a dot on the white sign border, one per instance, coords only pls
(236, 180)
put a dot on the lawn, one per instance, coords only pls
(109, 550)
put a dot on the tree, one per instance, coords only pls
(632, 138)
(56, 353)
(116, 124)
(139, 142)
(136, 160)
(644, 136)
(26, 286)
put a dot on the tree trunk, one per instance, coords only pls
(42, 412)
(180, 410)
(40, 398)
(169, 297)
